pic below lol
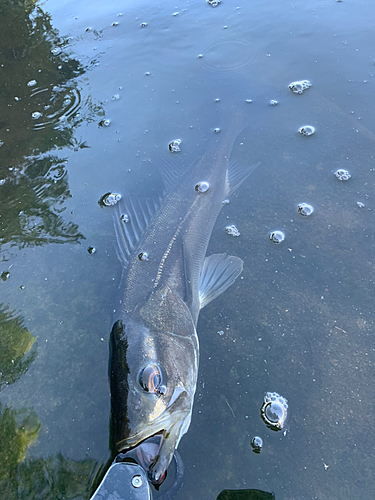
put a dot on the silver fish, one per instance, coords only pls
(154, 349)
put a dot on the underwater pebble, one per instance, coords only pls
(214, 3)
(143, 25)
(300, 86)
(125, 218)
(225, 202)
(277, 236)
(31, 83)
(216, 130)
(174, 146)
(220, 332)
(305, 209)
(232, 230)
(143, 256)
(273, 102)
(274, 410)
(91, 250)
(306, 130)
(342, 174)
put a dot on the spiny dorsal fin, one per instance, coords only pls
(218, 273)
(130, 220)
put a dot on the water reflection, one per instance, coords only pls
(22, 478)
(46, 478)
(41, 106)
(17, 347)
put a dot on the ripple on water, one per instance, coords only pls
(229, 55)
(59, 103)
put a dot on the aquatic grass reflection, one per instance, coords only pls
(42, 103)
(17, 347)
(22, 477)
(33, 198)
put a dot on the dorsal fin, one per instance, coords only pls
(218, 273)
(171, 170)
(130, 219)
(237, 173)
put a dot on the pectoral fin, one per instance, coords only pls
(218, 273)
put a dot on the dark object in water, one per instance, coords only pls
(245, 495)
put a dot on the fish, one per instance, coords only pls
(168, 278)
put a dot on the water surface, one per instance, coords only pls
(300, 321)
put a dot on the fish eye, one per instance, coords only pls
(150, 379)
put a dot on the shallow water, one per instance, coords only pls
(300, 321)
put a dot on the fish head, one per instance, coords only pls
(153, 377)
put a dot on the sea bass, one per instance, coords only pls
(154, 348)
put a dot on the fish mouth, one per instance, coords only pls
(148, 451)
(147, 454)
(154, 451)
(161, 426)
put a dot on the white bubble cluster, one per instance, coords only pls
(274, 410)
(300, 86)
(305, 209)
(342, 174)
(232, 230)
(306, 130)
(110, 199)
(174, 146)
(277, 236)
(202, 187)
